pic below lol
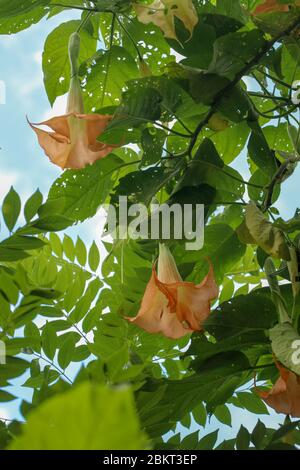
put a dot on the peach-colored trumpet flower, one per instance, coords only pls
(171, 306)
(284, 397)
(72, 141)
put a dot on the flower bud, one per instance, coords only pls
(74, 50)
(75, 99)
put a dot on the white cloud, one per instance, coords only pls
(58, 108)
(37, 57)
(7, 179)
(4, 414)
(28, 87)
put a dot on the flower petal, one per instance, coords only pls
(59, 124)
(192, 302)
(96, 125)
(167, 271)
(155, 315)
(73, 143)
(284, 397)
(56, 146)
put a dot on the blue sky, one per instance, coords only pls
(23, 164)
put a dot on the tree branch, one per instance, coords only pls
(245, 70)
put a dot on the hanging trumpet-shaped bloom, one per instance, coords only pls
(162, 13)
(72, 141)
(284, 397)
(171, 306)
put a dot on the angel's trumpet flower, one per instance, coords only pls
(284, 397)
(162, 13)
(73, 143)
(171, 306)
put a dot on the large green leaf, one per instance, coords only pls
(207, 167)
(230, 58)
(238, 316)
(77, 194)
(286, 345)
(89, 417)
(16, 15)
(270, 238)
(108, 76)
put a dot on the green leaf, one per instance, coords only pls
(69, 248)
(208, 442)
(108, 76)
(49, 223)
(88, 417)
(19, 242)
(137, 108)
(9, 287)
(11, 208)
(49, 340)
(238, 316)
(259, 150)
(16, 15)
(142, 186)
(13, 368)
(78, 193)
(221, 243)
(214, 384)
(207, 167)
(152, 144)
(231, 141)
(66, 351)
(266, 234)
(285, 346)
(81, 253)
(200, 415)
(94, 257)
(259, 435)
(229, 46)
(56, 65)
(190, 442)
(252, 403)
(32, 205)
(243, 439)
(284, 430)
(56, 244)
(222, 413)
(6, 396)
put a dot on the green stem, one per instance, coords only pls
(108, 57)
(258, 186)
(245, 70)
(268, 96)
(84, 21)
(275, 180)
(277, 80)
(74, 325)
(131, 38)
(53, 365)
(178, 119)
(73, 7)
